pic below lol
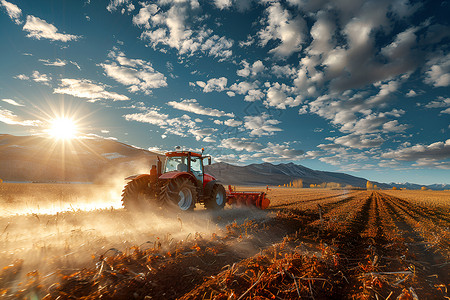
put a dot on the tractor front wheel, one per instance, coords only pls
(137, 195)
(217, 198)
(179, 193)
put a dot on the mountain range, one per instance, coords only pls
(41, 159)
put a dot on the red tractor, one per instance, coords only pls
(181, 185)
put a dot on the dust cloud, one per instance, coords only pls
(63, 227)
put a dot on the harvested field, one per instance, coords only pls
(310, 243)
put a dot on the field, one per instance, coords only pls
(75, 241)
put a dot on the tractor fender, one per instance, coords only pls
(138, 176)
(176, 174)
(208, 187)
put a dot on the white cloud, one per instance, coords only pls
(57, 63)
(150, 116)
(283, 71)
(22, 77)
(215, 84)
(440, 102)
(8, 117)
(439, 72)
(254, 69)
(172, 25)
(394, 126)
(261, 125)
(209, 139)
(222, 4)
(277, 96)
(232, 123)
(144, 15)
(200, 134)
(75, 64)
(12, 102)
(39, 28)
(83, 88)
(360, 141)
(41, 78)
(281, 26)
(114, 4)
(13, 11)
(243, 87)
(411, 93)
(281, 152)
(137, 74)
(433, 152)
(241, 144)
(191, 105)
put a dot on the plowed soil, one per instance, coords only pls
(312, 244)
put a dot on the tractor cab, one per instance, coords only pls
(186, 161)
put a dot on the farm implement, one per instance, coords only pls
(181, 184)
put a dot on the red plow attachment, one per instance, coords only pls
(251, 199)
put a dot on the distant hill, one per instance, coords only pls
(40, 159)
(414, 186)
(269, 174)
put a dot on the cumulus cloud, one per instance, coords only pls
(280, 152)
(115, 4)
(83, 88)
(359, 141)
(214, 84)
(22, 77)
(40, 29)
(41, 78)
(150, 117)
(421, 153)
(232, 123)
(241, 144)
(181, 126)
(261, 125)
(223, 4)
(440, 102)
(243, 87)
(411, 93)
(438, 73)
(13, 11)
(202, 133)
(253, 70)
(191, 105)
(145, 13)
(278, 95)
(172, 24)
(282, 27)
(8, 117)
(137, 74)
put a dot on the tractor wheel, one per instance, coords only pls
(217, 198)
(137, 195)
(178, 193)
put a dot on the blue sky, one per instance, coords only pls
(361, 87)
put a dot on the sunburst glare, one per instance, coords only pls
(62, 128)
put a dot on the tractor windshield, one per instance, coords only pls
(176, 164)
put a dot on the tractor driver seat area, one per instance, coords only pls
(182, 167)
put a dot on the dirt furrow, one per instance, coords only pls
(428, 260)
(294, 203)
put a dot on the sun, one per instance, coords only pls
(62, 129)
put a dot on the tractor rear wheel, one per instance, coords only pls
(178, 193)
(217, 198)
(137, 195)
